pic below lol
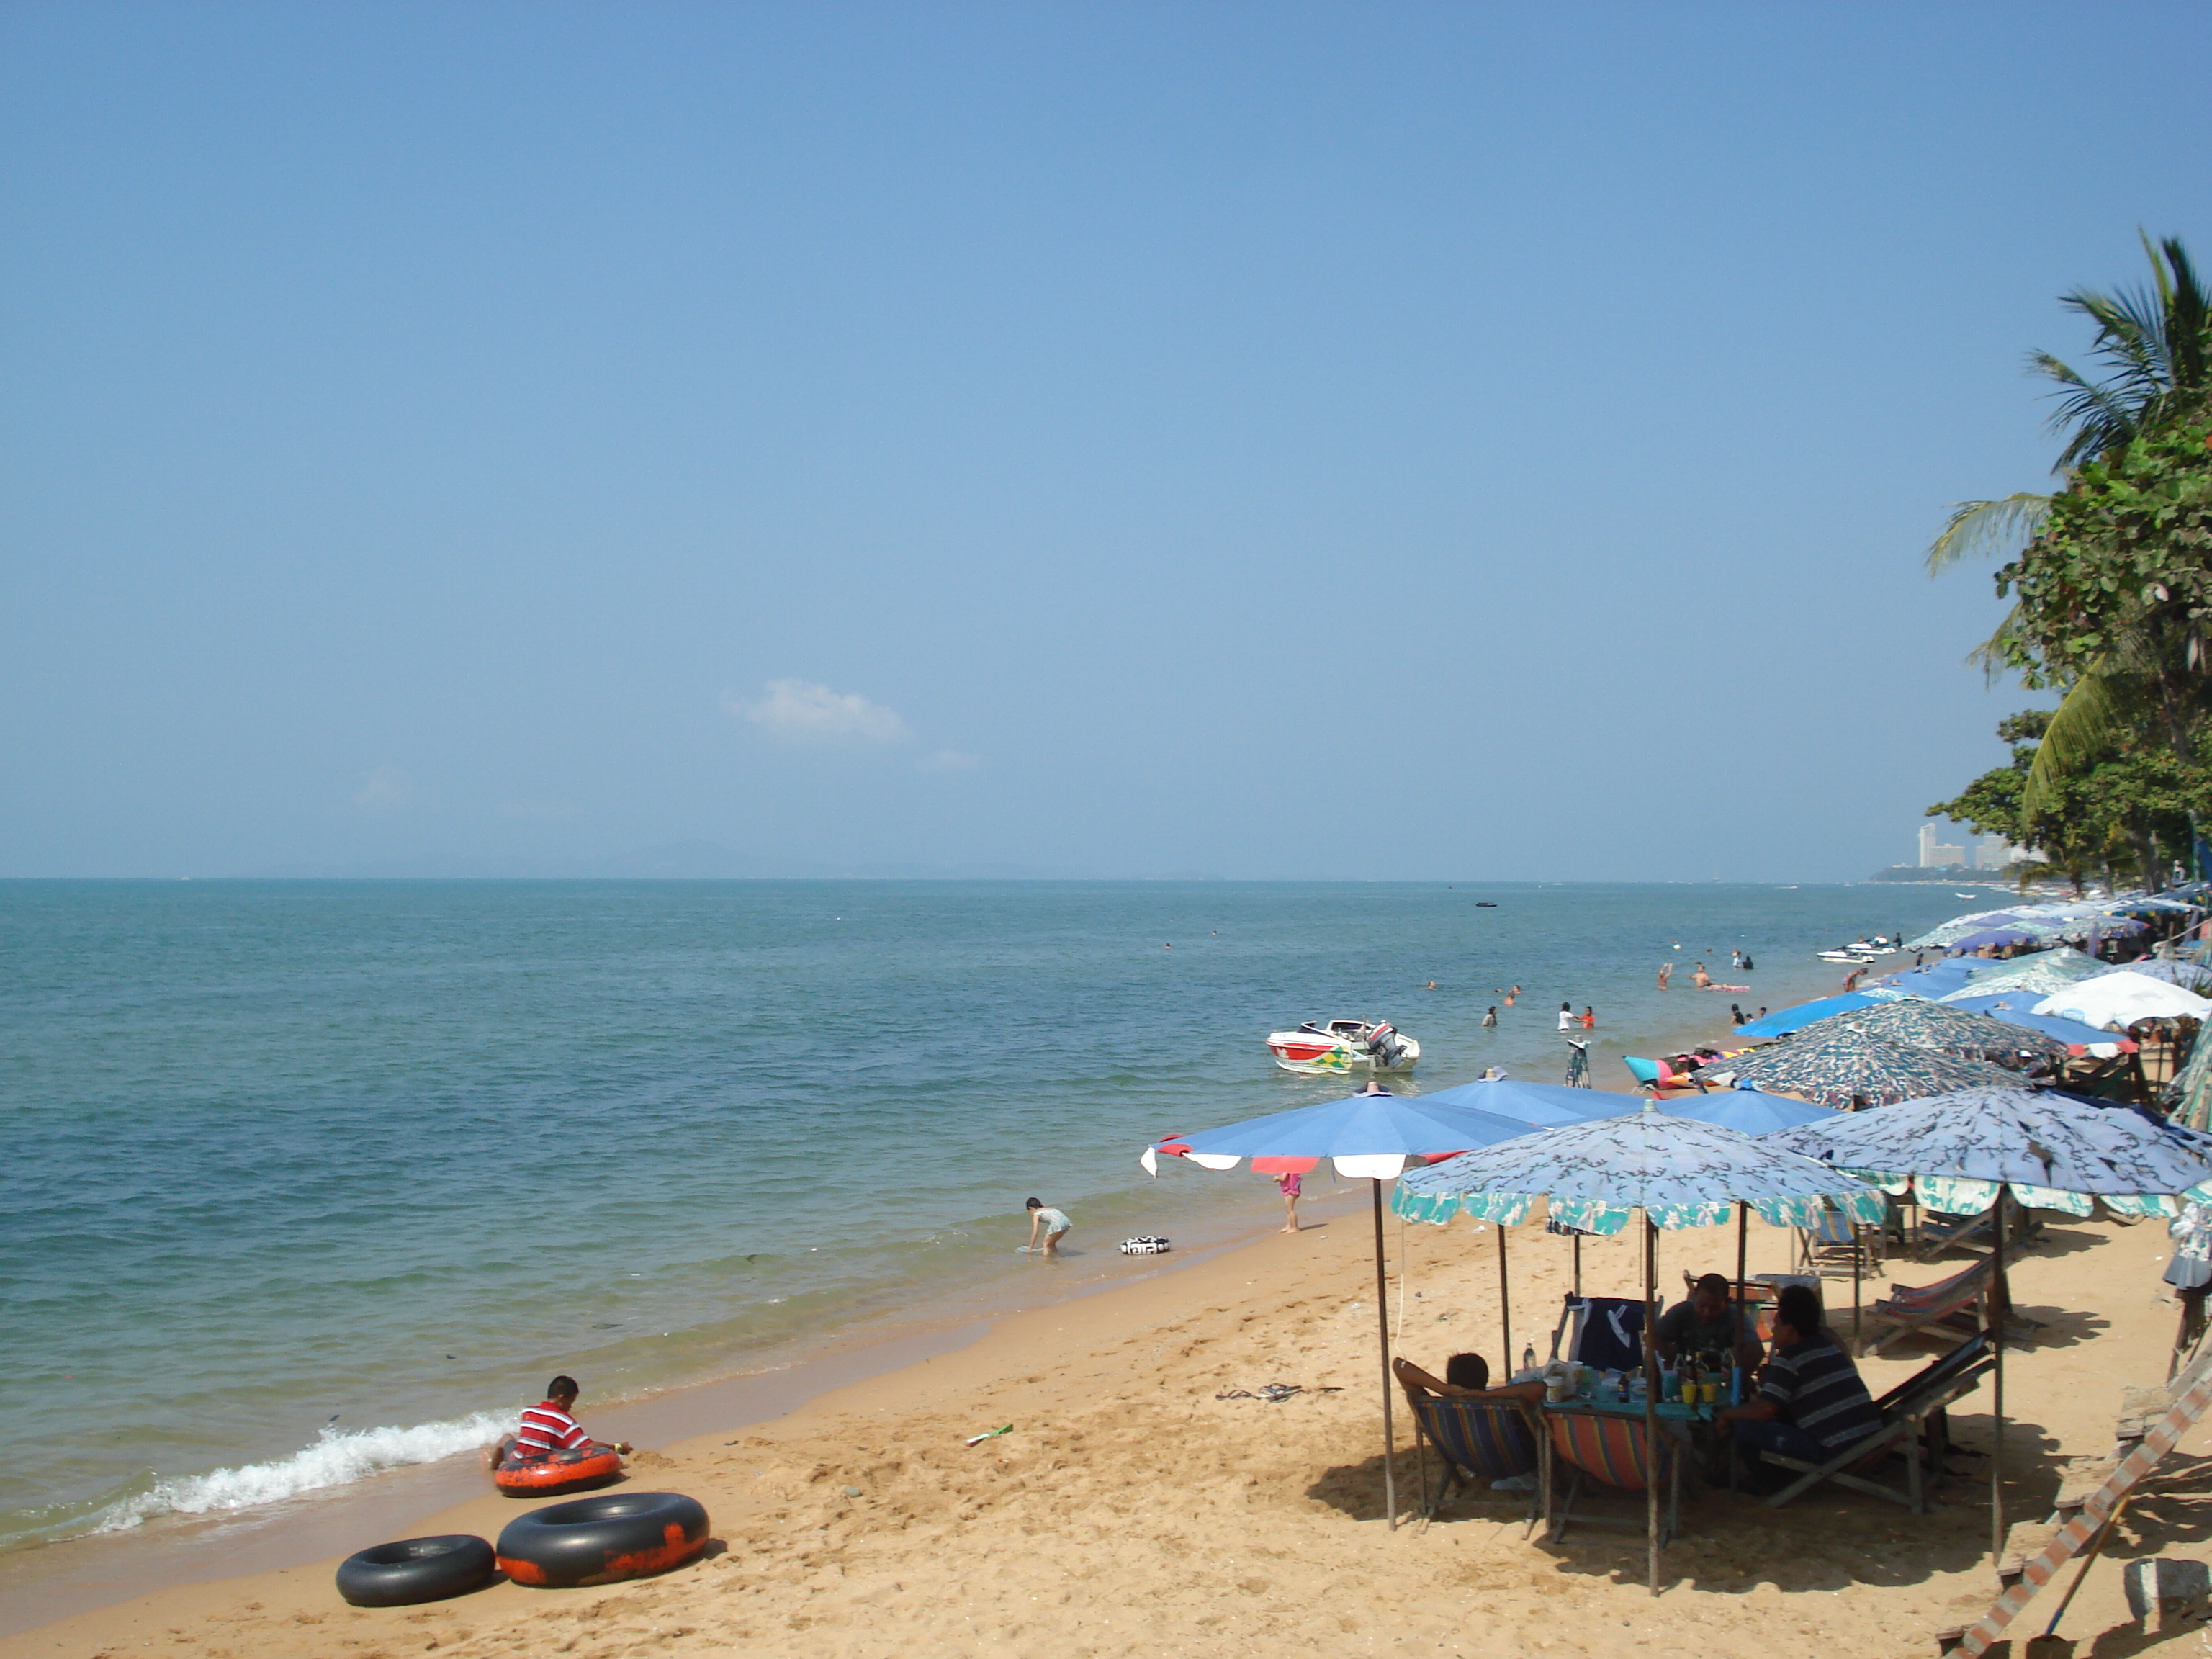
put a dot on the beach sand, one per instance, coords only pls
(1131, 1510)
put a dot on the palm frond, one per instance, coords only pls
(2095, 715)
(1993, 656)
(1977, 528)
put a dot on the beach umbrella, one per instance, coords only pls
(1941, 937)
(2044, 971)
(1747, 1111)
(2122, 999)
(1784, 1020)
(1544, 1105)
(1998, 936)
(1915, 1023)
(1370, 1136)
(1933, 981)
(1963, 1152)
(1677, 1171)
(2189, 975)
(2012, 1009)
(1836, 1068)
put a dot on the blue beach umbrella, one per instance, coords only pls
(1784, 1020)
(1747, 1111)
(1937, 979)
(1539, 1105)
(1368, 1136)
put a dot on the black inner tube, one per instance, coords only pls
(416, 1570)
(600, 1540)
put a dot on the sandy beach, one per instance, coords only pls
(1133, 1508)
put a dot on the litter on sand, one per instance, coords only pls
(1274, 1392)
(989, 1434)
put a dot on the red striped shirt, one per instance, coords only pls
(546, 1428)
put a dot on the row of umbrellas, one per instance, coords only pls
(1608, 1158)
(2051, 922)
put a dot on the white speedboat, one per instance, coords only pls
(1344, 1045)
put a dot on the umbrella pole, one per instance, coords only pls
(1382, 1326)
(1504, 1309)
(2000, 1302)
(1578, 1264)
(1652, 1395)
(1743, 1243)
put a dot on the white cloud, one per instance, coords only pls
(947, 759)
(801, 712)
(386, 789)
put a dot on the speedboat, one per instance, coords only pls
(1344, 1045)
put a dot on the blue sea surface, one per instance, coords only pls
(313, 1179)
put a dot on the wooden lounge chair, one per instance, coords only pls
(1940, 1232)
(1834, 1245)
(1616, 1453)
(1948, 1305)
(1913, 1421)
(1477, 1441)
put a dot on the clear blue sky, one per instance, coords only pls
(1369, 440)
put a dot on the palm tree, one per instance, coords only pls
(2157, 345)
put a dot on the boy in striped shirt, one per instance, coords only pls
(1811, 1405)
(548, 1427)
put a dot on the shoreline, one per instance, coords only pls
(81, 1577)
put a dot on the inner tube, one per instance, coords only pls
(416, 1570)
(541, 1477)
(604, 1540)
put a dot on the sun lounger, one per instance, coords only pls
(1947, 1304)
(1616, 1453)
(1913, 1422)
(1656, 1077)
(1477, 1441)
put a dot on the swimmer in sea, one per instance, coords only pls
(1699, 977)
(1666, 972)
(1491, 1018)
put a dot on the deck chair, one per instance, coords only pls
(1653, 1076)
(1616, 1453)
(1833, 1245)
(1914, 1421)
(1940, 1232)
(1948, 1306)
(1605, 1333)
(1477, 1441)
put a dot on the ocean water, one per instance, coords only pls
(311, 1180)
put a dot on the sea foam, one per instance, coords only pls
(335, 1459)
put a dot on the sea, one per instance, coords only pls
(310, 1181)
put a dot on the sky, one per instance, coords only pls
(1370, 442)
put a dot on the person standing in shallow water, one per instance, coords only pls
(1491, 1018)
(1666, 973)
(1053, 1223)
(1292, 1189)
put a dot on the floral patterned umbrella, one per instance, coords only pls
(2189, 975)
(1962, 1152)
(2045, 972)
(1917, 1024)
(1835, 1068)
(1679, 1171)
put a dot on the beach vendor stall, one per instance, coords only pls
(1672, 1172)
(1963, 1151)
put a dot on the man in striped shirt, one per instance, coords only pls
(547, 1427)
(1811, 1405)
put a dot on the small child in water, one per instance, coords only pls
(1053, 1223)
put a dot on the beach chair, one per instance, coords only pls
(1656, 1076)
(1940, 1232)
(1605, 1333)
(1834, 1245)
(1949, 1305)
(1477, 1441)
(1618, 1453)
(1914, 1421)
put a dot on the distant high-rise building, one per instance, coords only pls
(1935, 854)
(1996, 853)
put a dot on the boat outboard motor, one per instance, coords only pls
(1383, 1043)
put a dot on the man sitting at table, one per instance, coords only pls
(1708, 1323)
(1810, 1405)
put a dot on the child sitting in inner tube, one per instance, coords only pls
(548, 1428)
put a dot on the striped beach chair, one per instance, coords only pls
(1477, 1441)
(1617, 1453)
(1945, 1307)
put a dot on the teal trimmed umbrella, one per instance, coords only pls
(1676, 1171)
(2045, 972)
(1915, 1023)
(1836, 1068)
(1963, 1152)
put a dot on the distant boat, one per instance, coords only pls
(1484, 904)
(1343, 1045)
